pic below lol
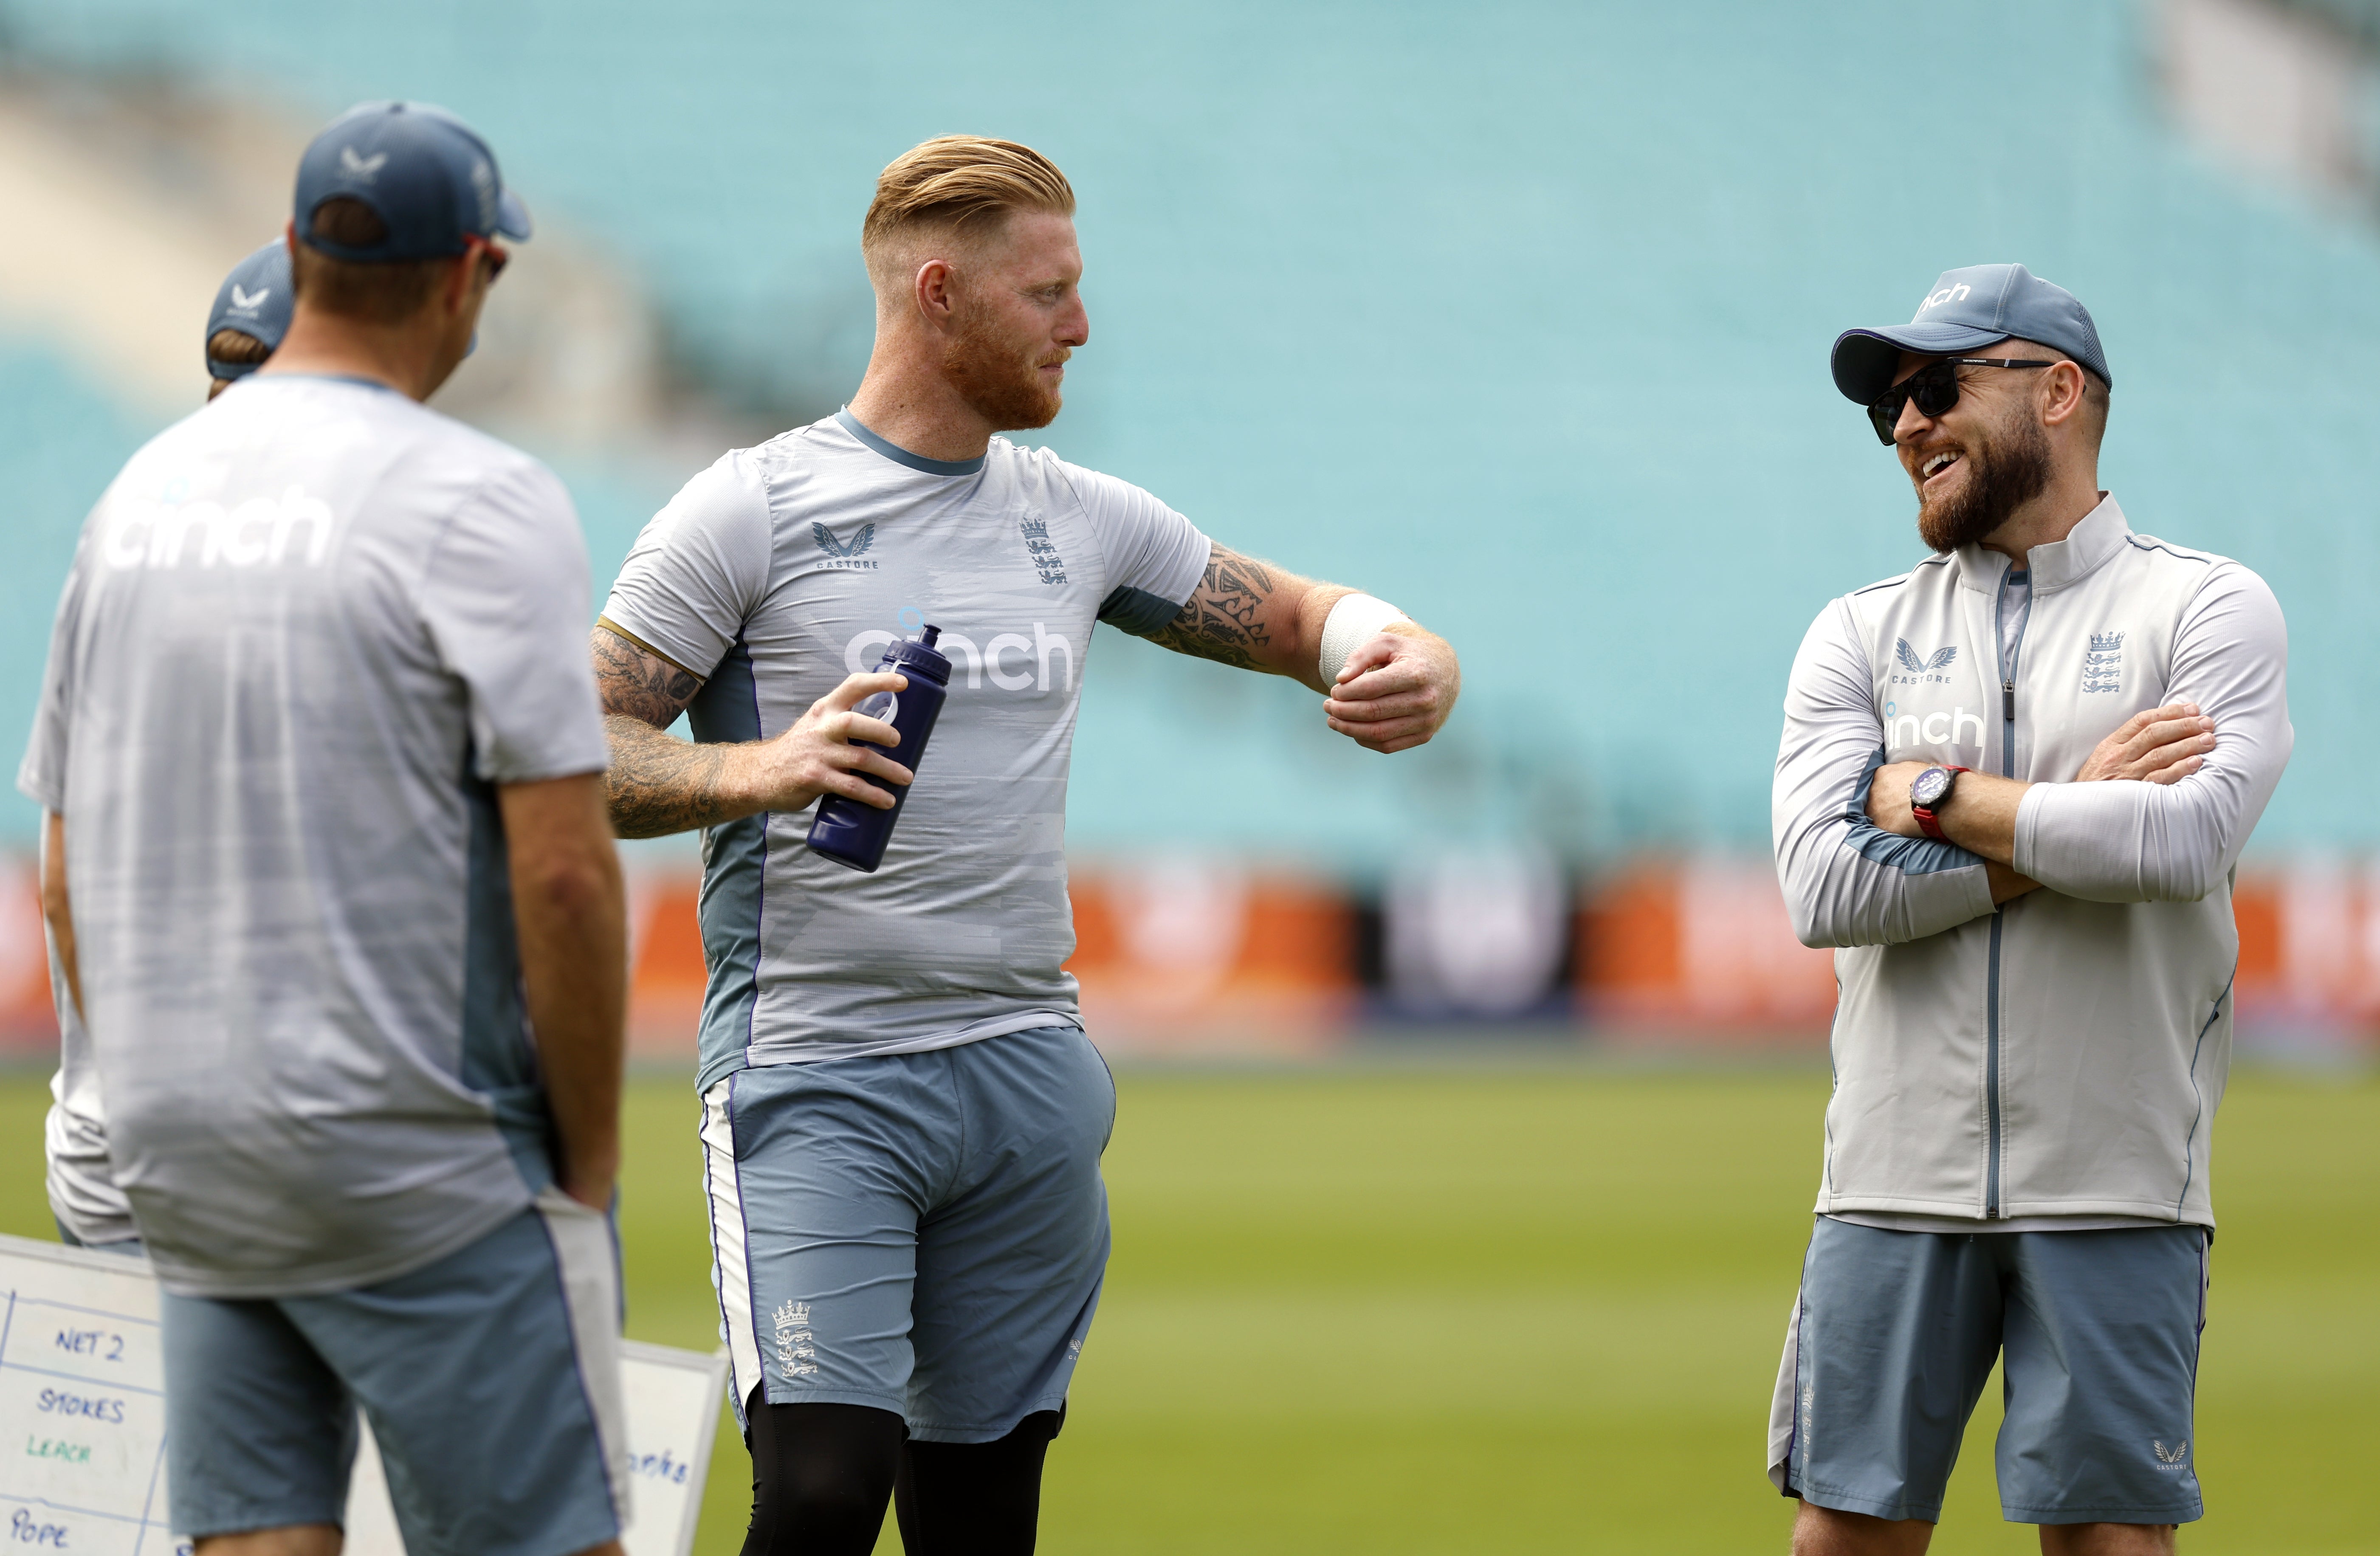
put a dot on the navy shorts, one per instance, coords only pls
(491, 1379)
(919, 1233)
(1893, 1337)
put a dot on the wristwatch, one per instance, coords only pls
(1928, 792)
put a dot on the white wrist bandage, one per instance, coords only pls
(1354, 622)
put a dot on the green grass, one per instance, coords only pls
(1476, 1312)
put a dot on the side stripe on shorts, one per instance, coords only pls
(730, 1262)
(588, 1262)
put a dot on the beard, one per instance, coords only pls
(2005, 470)
(997, 382)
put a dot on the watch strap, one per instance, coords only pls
(1927, 821)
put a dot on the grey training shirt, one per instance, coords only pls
(783, 568)
(308, 630)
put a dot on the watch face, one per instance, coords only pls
(1929, 786)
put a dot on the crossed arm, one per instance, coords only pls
(2157, 812)
(2158, 746)
(1395, 693)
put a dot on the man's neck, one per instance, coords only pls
(329, 346)
(906, 400)
(2047, 519)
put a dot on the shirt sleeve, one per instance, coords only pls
(700, 569)
(2137, 842)
(504, 598)
(1847, 881)
(42, 777)
(1154, 555)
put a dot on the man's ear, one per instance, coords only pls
(2061, 392)
(933, 291)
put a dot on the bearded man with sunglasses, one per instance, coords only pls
(2012, 786)
(332, 887)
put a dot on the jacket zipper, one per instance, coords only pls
(2006, 659)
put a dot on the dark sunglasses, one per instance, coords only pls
(1934, 387)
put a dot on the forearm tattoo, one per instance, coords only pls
(1223, 618)
(656, 784)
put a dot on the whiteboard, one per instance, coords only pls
(82, 1386)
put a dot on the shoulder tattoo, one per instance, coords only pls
(635, 683)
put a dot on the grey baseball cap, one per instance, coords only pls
(254, 300)
(1965, 311)
(425, 174)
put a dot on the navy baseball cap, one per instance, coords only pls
(255, 301)
(423, 171)
(1965, 311)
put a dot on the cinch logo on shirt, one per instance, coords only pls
(261, 531)
(1937, 728)
(1032, 656)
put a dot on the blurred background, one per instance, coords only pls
(1516, 314)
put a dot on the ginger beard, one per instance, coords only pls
(2008, 465)
(1000, 380)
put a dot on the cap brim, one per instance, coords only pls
(1865, 361)
(512, 217)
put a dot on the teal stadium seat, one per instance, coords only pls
(1517, 315)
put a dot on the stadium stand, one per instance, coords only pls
(1529, 304)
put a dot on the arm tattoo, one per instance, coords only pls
(656, 784)
(1223, 619)
(637, 684)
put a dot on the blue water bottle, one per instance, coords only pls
(854, 834)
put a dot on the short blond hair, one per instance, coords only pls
(956, 182)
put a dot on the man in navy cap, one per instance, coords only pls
(2013, 782)
(251, 315)
(334, 890)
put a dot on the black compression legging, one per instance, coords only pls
(822, 1473)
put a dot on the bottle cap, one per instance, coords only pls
(920, 655)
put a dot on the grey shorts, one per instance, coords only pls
(491, 1379)
(920, 1233)
(1893, 1336)
(130, 1248)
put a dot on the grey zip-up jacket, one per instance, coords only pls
(2063, 1056)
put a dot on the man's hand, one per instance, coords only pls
(2161, 746)
(1887, 797)
(658, 783)
(1397, 690)
(821, 754)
